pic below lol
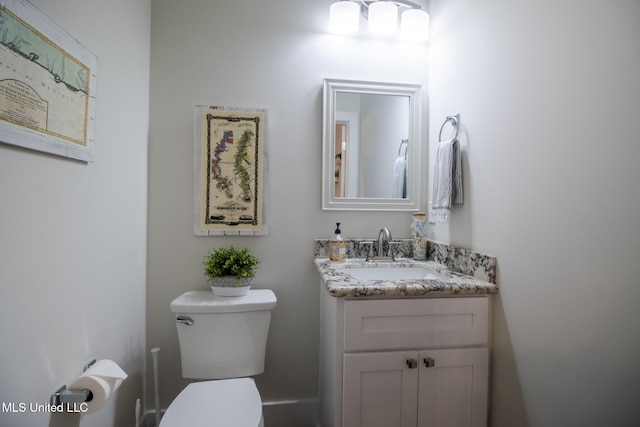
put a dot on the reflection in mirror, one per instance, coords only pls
(370, 162)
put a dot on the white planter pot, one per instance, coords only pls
(228, 286)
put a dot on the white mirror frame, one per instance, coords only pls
(331, 88)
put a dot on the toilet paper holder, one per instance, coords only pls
(64, 395)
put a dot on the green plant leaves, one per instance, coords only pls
(229, 261)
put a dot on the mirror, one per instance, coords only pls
(371, 146)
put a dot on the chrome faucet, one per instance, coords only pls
(383, 235)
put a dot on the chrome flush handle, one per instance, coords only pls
(184, 320)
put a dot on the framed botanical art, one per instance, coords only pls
(230, 171)
(47, 85)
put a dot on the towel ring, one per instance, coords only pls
(405, 143)
(455, 121)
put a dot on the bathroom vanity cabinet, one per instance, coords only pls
(404, 361)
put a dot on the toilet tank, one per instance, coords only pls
(223, 337)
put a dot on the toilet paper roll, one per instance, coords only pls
(102, 379)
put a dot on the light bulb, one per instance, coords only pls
(415, 25)
(383, 18)
(344, 17)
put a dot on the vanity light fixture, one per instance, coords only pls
(382, 17)
(415, 25)
(344, 17)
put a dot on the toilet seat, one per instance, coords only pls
(218, 403)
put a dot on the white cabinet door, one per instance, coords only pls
(453, 392)
(380, 389)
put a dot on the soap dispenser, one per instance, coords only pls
(337, 246)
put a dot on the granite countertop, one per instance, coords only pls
(340, 284)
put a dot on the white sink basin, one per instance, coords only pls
(393, 273)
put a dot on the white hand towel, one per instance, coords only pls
(399, 190)
(447, 179)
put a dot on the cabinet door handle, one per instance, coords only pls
(429, 362)
(412, 363)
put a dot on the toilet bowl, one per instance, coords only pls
(222, 346)
(218, 403)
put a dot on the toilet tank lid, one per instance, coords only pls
(207, 302)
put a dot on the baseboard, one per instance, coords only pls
(149, 419)
(290, 413)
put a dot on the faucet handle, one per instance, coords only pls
(391, 245)
(370, 251)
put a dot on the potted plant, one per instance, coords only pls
(230, 270)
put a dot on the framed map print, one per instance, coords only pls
(230, 171)
(47, 85)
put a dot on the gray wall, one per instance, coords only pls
(548, 94)
(255, 54)
(72, 235)
(549, 98)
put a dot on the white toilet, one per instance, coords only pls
(222, 341)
